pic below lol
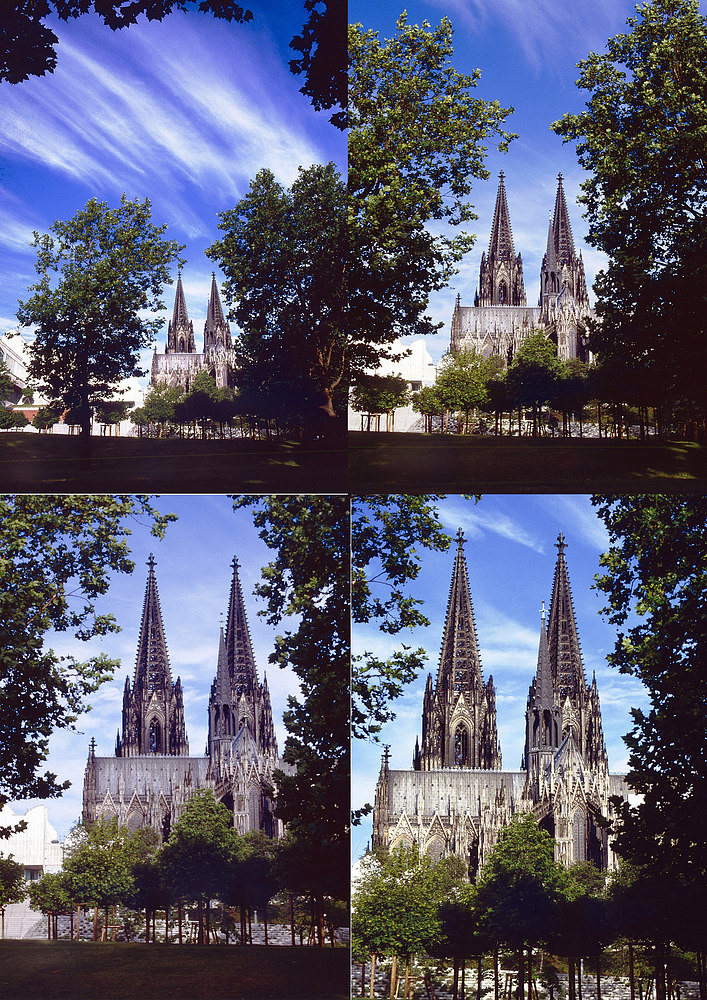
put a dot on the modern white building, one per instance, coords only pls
(37, 847)
(418, 369)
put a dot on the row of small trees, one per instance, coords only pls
(524, 900)
(468, 383)
(203, 860)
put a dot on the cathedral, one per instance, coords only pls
(457, 799)
(500, 318)
(152, 775)
(180, 361)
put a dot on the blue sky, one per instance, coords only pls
(193, 571)
(527, 51)
(510, 554)
(184, 112)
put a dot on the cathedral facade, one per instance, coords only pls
(152, 775)
(456, 799)
(500, 318)
(181, 361)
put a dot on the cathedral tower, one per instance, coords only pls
(180, 331)
(153, 708)
(561, 267)
(217, 335)
(459, 714)
(501, 273)
(238, 701)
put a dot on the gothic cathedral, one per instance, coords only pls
(456, 799)
(180, 361)
(152, 775)
(500, 318)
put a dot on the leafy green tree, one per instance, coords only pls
(417, 141)
(11, 419)
(379, 394)
(427, 402)
(47, 416)
(655, 583)
(160, 401)
(196, 857)
(395, 905)
(462, 934)
(461, 383)
(111, 265)
(520, 888)
(284, 257)
(534, 373)
(54, 550)
(643, 139)
(321, 47)
(51, 895)
(111, 413)
(8, 387)
(306, 589)
(12, 885)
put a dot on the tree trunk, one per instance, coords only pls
(571, 982)
(599, 975)
(455, 980)
(200, 909)
(579, 978)
(495, 972)
(521, 975)
(407, 976)
(530, 974)
(49, 925)
(179, 919)
(631, 972)
(292, 920)
(393, 973)
(166, 925)
(373, 973)
(479, 967)
(95, 923)
(265, 922)
(71, 925)
(463, 990)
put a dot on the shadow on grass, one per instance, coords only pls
(70, 970)
(421, 463)
(52, 464)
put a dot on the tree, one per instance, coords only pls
(57, 554)
(534, 373)
(427, 402)
(306, 588)
(461, 383)
(655, 583)
(642, 138)
(27, 45)
(379, 394)
(195, 859)
(284, 258)
(8, 386)
(520, 888)
(160, 402)
(462, 934)
(51, 895)
(388, 534)
(12, 885)
(10, 419)
(111, 413)
(47, 416)
(395, 906)
(90, 325)
(417, 142)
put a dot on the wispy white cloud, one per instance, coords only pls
(476, 521)
(543, 28)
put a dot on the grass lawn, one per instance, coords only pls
(71, 970)
(46, 463)
(430, 463)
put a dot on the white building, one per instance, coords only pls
(37, 847)
(418, 369)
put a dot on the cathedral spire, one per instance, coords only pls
(460, 662)
(180, 331)
(216, 331)
(241, 662)
(501, 273)
(501, 241)
(153, 709)
(459, 715)
(561, 229)
(565, 651)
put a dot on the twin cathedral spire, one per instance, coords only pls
(459, 710)
(501, 271)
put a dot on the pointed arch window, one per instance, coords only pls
(461, 746)
(155, 737)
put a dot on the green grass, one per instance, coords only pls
(70, 970)
(430, 463)
(52, 464)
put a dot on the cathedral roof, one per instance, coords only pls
(501, 242)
